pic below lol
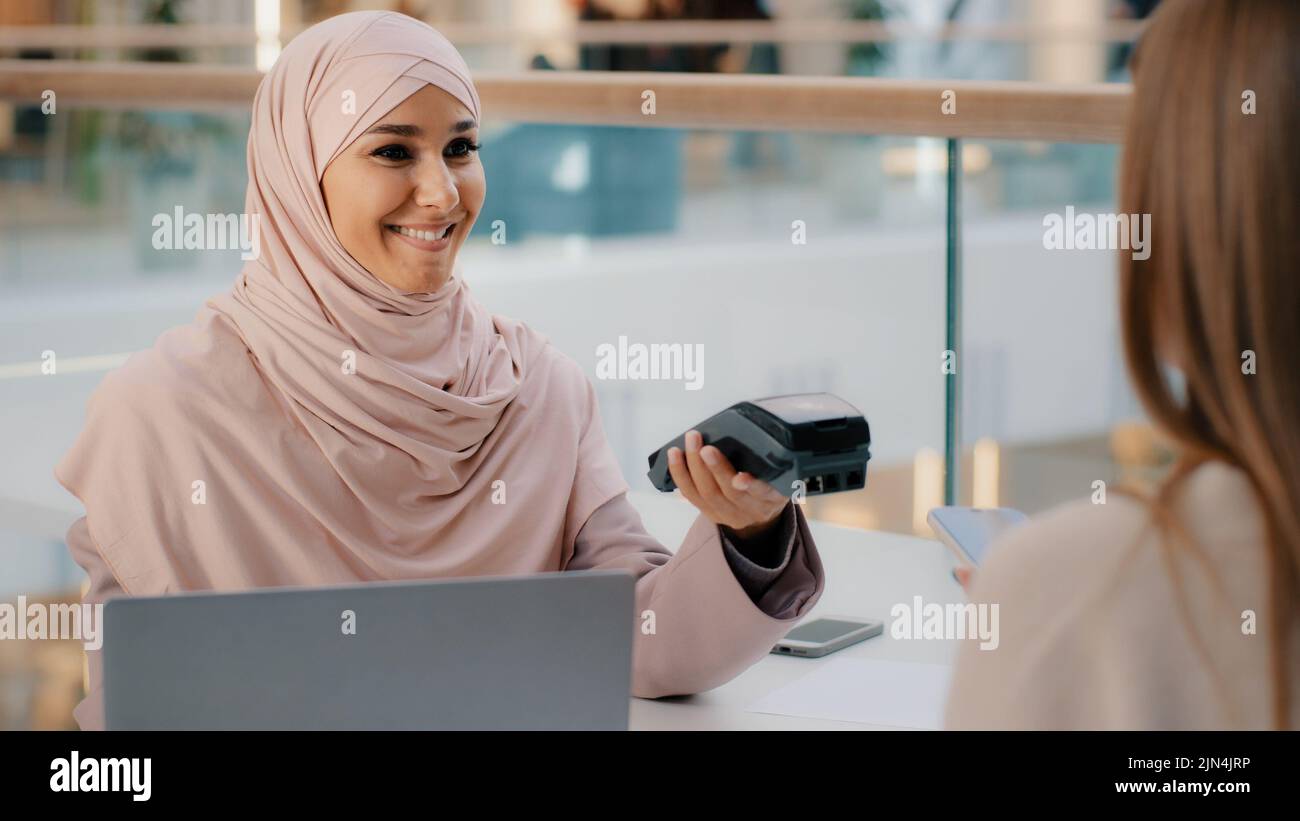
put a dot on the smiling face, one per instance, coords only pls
(404, 195)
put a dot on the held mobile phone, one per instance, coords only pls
(968, 531)
(822, 636)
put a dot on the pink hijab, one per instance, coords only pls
(240, 451)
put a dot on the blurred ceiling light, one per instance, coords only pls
(266, 22)
(910, 160)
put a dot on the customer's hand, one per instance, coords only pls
(735, 500)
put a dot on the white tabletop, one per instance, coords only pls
(867, 573)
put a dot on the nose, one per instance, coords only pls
(436, 187)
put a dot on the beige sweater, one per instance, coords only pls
(1091, 632)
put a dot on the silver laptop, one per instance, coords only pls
(550, 651)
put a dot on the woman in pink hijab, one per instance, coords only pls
(349, 412)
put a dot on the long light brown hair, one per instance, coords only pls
(1222, 285)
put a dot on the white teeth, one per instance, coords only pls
(427, 236)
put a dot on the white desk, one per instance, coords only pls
(867, 573)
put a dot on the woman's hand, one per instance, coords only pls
(735, 500)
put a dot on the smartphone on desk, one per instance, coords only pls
(969, 531)
(822, 636)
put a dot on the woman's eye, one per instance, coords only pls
(462, 148)
(392, 152)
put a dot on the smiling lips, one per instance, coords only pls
(425, 237)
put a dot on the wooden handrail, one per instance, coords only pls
(996, 110)
(588, 32)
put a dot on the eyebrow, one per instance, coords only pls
(414, 130)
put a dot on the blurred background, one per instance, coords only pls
(657, 235)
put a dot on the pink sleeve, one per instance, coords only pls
(103, 586)
(696, 627)
(597, 477)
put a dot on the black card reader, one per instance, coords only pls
(816, 438)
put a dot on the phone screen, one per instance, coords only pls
(823, 630)
(974, 529)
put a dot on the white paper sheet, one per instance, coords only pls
(889, 693)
